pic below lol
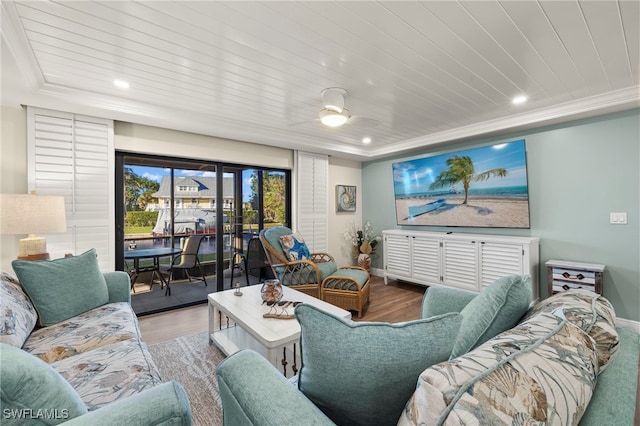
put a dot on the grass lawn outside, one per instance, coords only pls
(128, 230)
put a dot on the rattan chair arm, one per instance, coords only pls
(292, 262)
(354, 267)
(336, 282)
(321, 257)
(299, 272)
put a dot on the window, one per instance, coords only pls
(167, 199)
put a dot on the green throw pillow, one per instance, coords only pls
(497, 308)
(33, 392)
(363, 373)
(63, 288)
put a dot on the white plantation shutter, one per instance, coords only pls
(73, 156)
(312, 207)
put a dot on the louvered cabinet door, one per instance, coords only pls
(425, 259)
(498, 260)
(397, 256)
(73, 156)
(465, 261)
(460, 264)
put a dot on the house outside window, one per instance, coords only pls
(157, 214)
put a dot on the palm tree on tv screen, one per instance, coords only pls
(462, 169)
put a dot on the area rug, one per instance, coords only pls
(191, 361)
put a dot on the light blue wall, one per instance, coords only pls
(578, 173)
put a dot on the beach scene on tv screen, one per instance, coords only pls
(479, 187)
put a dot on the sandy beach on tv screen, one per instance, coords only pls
(489, 212)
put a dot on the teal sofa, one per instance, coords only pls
(558, 361)
(90, 368)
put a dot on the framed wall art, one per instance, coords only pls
(478, 187)
(345, 198)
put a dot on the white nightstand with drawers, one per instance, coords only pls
(564, 275)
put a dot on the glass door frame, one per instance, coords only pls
(220, 169)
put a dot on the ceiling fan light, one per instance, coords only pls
(332, 118)
(333, 98)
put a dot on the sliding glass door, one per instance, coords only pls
(166, 200)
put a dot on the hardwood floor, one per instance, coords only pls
(395, 302)
(168, 325)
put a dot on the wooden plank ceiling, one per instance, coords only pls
(417, 72)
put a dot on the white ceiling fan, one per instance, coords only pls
(333, 112)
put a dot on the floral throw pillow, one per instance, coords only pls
(294, 247)
(543, 371)
(591, 312)
(17, 314)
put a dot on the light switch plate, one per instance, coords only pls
(618, 218)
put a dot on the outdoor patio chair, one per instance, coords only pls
(185, 261)
(304, 275)
(256, 259)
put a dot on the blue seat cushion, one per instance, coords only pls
(325, 268)
(273, 235)
(361, 277)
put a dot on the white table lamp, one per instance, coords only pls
(32, 214)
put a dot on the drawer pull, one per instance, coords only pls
(568, 275)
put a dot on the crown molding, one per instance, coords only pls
(614, 101)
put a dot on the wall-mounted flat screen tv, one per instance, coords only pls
(480, 187)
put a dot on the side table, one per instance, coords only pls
(564, 275)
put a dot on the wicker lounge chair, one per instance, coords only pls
(304, 275)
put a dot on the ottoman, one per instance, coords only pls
(347, 288)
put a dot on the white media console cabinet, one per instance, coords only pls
(466, 261)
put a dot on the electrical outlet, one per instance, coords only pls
(618, 218)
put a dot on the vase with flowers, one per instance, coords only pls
(363, 242)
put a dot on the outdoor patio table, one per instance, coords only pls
(155, 254)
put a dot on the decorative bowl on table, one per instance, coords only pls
(271, 291)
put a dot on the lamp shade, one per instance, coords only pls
(32, 214)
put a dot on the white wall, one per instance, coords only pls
(343, 172)
(13, 171)
(172, 143)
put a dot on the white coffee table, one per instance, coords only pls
(236, 322)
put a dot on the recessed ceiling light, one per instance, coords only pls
(121, 84)
(519, 100)
(366, 140)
